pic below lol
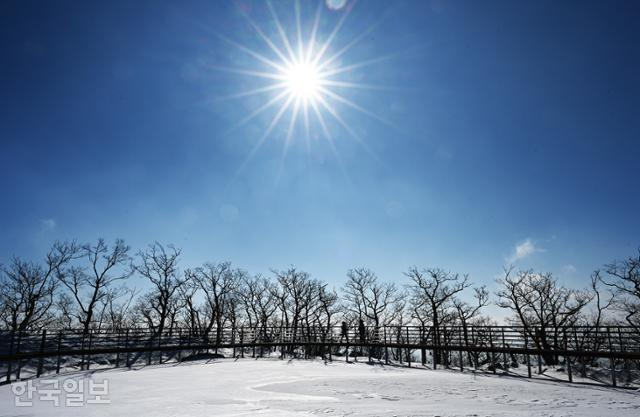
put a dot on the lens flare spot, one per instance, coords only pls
(336, 4)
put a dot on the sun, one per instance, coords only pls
(303, 80)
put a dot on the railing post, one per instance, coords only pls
(261, 336)
(346, 349)
(423, 351)
(386, 347)
(474, 354)
(89, 351)
(253, 344)
(435, 353)
(567, 356)
(370, 340)
(434, 361)
(539, 357)
(612, 360)
(59, 346)
(41, 359)
(330, 332)
(126, 342)
(19, 370)
(233, 340)
(444, 353)
(160, 339)
(408, 349)
(622, 349)
(398, 338)
(242, 342)
(180, 344)
(460, 337)
(470, 354)
(118, 346)
(9, 363)
(82, 347)
(526, 346)
(150, 345)
(282, 340)
(504, 353)
(579, 346)
(492, 354)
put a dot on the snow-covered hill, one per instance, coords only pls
(272, 387)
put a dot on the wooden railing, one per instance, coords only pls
(26, 354)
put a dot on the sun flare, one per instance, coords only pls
(302, 75)
(303, 80)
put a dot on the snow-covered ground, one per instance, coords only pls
(249, 387)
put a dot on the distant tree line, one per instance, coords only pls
(87, 286)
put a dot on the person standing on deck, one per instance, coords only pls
(344, 331)
(362, 331)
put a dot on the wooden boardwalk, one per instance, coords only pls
(29, 354)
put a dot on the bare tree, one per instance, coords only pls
(218, 283)
(328, 303)
(293, 297)
(282, 301)
(468, 312)
(433, 288)
(251, 290)
(367, 298)
(27, 289)
(601, 303)
(191, 310)
(624, 278)
(160, 267)
(265, 304)
(541, 306)
(255, 297)
(91, 286)
(63, 317)
(118, 304)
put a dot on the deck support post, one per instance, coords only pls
(504, 353)
(118, 352)
(612, 360)
(41, 360)
(59, 346)
(408, 349)
(386, 348)
(126, 342)
(89, 354)
(9, 363)
(526, 346)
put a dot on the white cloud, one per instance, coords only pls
(569, 269)
(523, 250)
(47, 224)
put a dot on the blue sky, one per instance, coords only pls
(511, 136)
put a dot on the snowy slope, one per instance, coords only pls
(273, 387)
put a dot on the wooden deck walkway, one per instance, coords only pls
(34, 354)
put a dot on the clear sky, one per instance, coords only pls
(474, 134)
